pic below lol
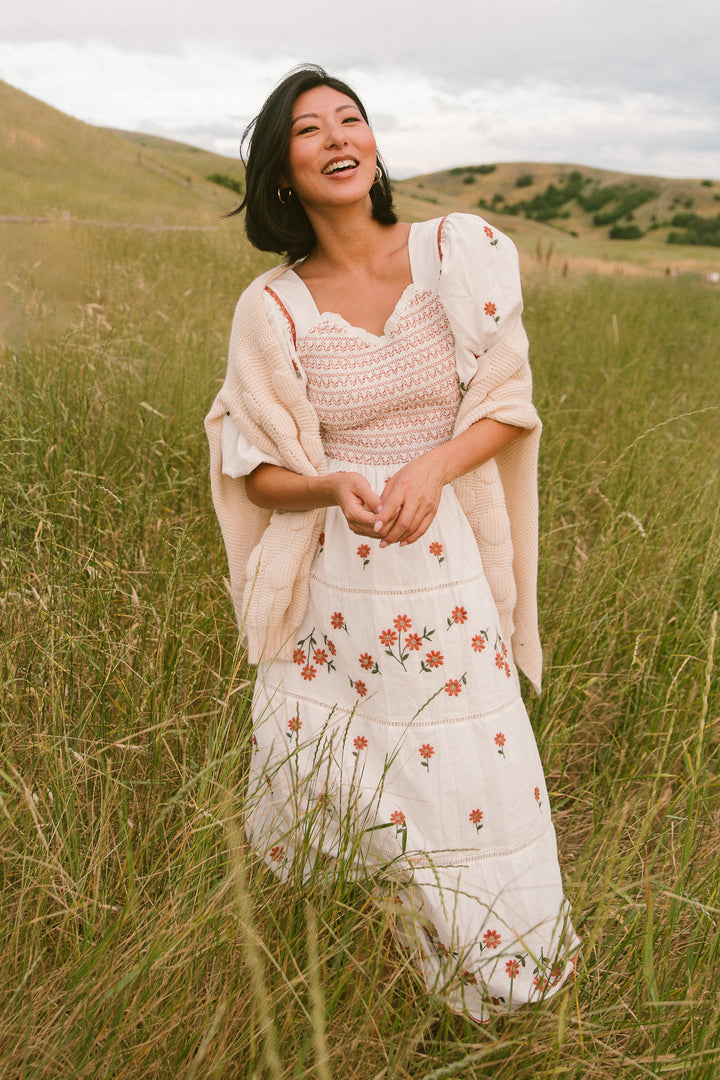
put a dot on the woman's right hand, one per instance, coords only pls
(276, 488)
(358, 502)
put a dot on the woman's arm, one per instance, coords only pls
(411, 497)
(276, 488)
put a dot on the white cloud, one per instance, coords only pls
(614, 85)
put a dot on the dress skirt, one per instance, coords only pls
(397, 740)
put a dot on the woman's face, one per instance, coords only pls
(332, 155)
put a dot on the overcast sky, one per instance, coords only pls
(626, 84)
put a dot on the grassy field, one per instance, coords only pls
(139, 938)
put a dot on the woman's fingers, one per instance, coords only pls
(401, 515)
(411, 519)
(358, 502)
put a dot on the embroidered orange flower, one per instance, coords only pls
(402, 622)
(294, 724)
(459, 615)
(490, 308)
(337, 620)
(299, 657)
(436, 549)
(320, 657)
(277, 852)
(388, 637)
(478, 643)
(309, 672)
(476, 817)
(366, 661)
(512, 967)
(364, 553)
(330, 646)
(360, 742)
(413, 642)
(500, 739)
(398, 818)
(360, 687)
(491, 939)
(537, 794)
(434, 658)
(499, 661)
(488, 232)
(426, 751)
(453, 687)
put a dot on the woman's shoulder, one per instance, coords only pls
(472, 232)
(252, 295)
(459, 238)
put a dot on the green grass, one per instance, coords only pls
(139, 938)
(57, 167)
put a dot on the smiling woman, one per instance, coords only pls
(332, 153)
(281, 224)
(378, 388)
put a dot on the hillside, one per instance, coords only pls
(56, 166)
(578, 200)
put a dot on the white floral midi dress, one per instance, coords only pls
(397, 738)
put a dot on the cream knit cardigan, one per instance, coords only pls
(270, 552)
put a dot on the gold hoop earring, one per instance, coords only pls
(378, 175)
(284, 191)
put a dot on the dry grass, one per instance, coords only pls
(139, 938)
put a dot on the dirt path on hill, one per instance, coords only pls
(16, 219)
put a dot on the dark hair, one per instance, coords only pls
(284, 227)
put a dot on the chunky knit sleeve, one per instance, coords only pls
(268, 552)
(480, 290)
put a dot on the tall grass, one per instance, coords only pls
(140, 938)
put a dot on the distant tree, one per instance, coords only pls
(696, 230)
(227, 182)
(625, 232)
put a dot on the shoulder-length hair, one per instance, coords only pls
(284, 227)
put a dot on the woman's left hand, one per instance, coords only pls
(409, 502)
(411, 497)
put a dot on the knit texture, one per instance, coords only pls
(270, 552)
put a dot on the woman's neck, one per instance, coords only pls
(350, 239)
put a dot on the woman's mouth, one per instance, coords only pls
(339, 166)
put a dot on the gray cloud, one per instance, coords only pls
(445, 83)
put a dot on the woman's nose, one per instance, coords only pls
(336, 135)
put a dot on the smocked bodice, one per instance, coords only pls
(384, 398)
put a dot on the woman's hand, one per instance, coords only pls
(358, 502)
(409, 502)
(276, 488)
(410, 499)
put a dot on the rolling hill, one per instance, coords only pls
(577, 200)
(55, 167)
(58, 167)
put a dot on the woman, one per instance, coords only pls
(382, 551)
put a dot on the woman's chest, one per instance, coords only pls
(363, 376)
